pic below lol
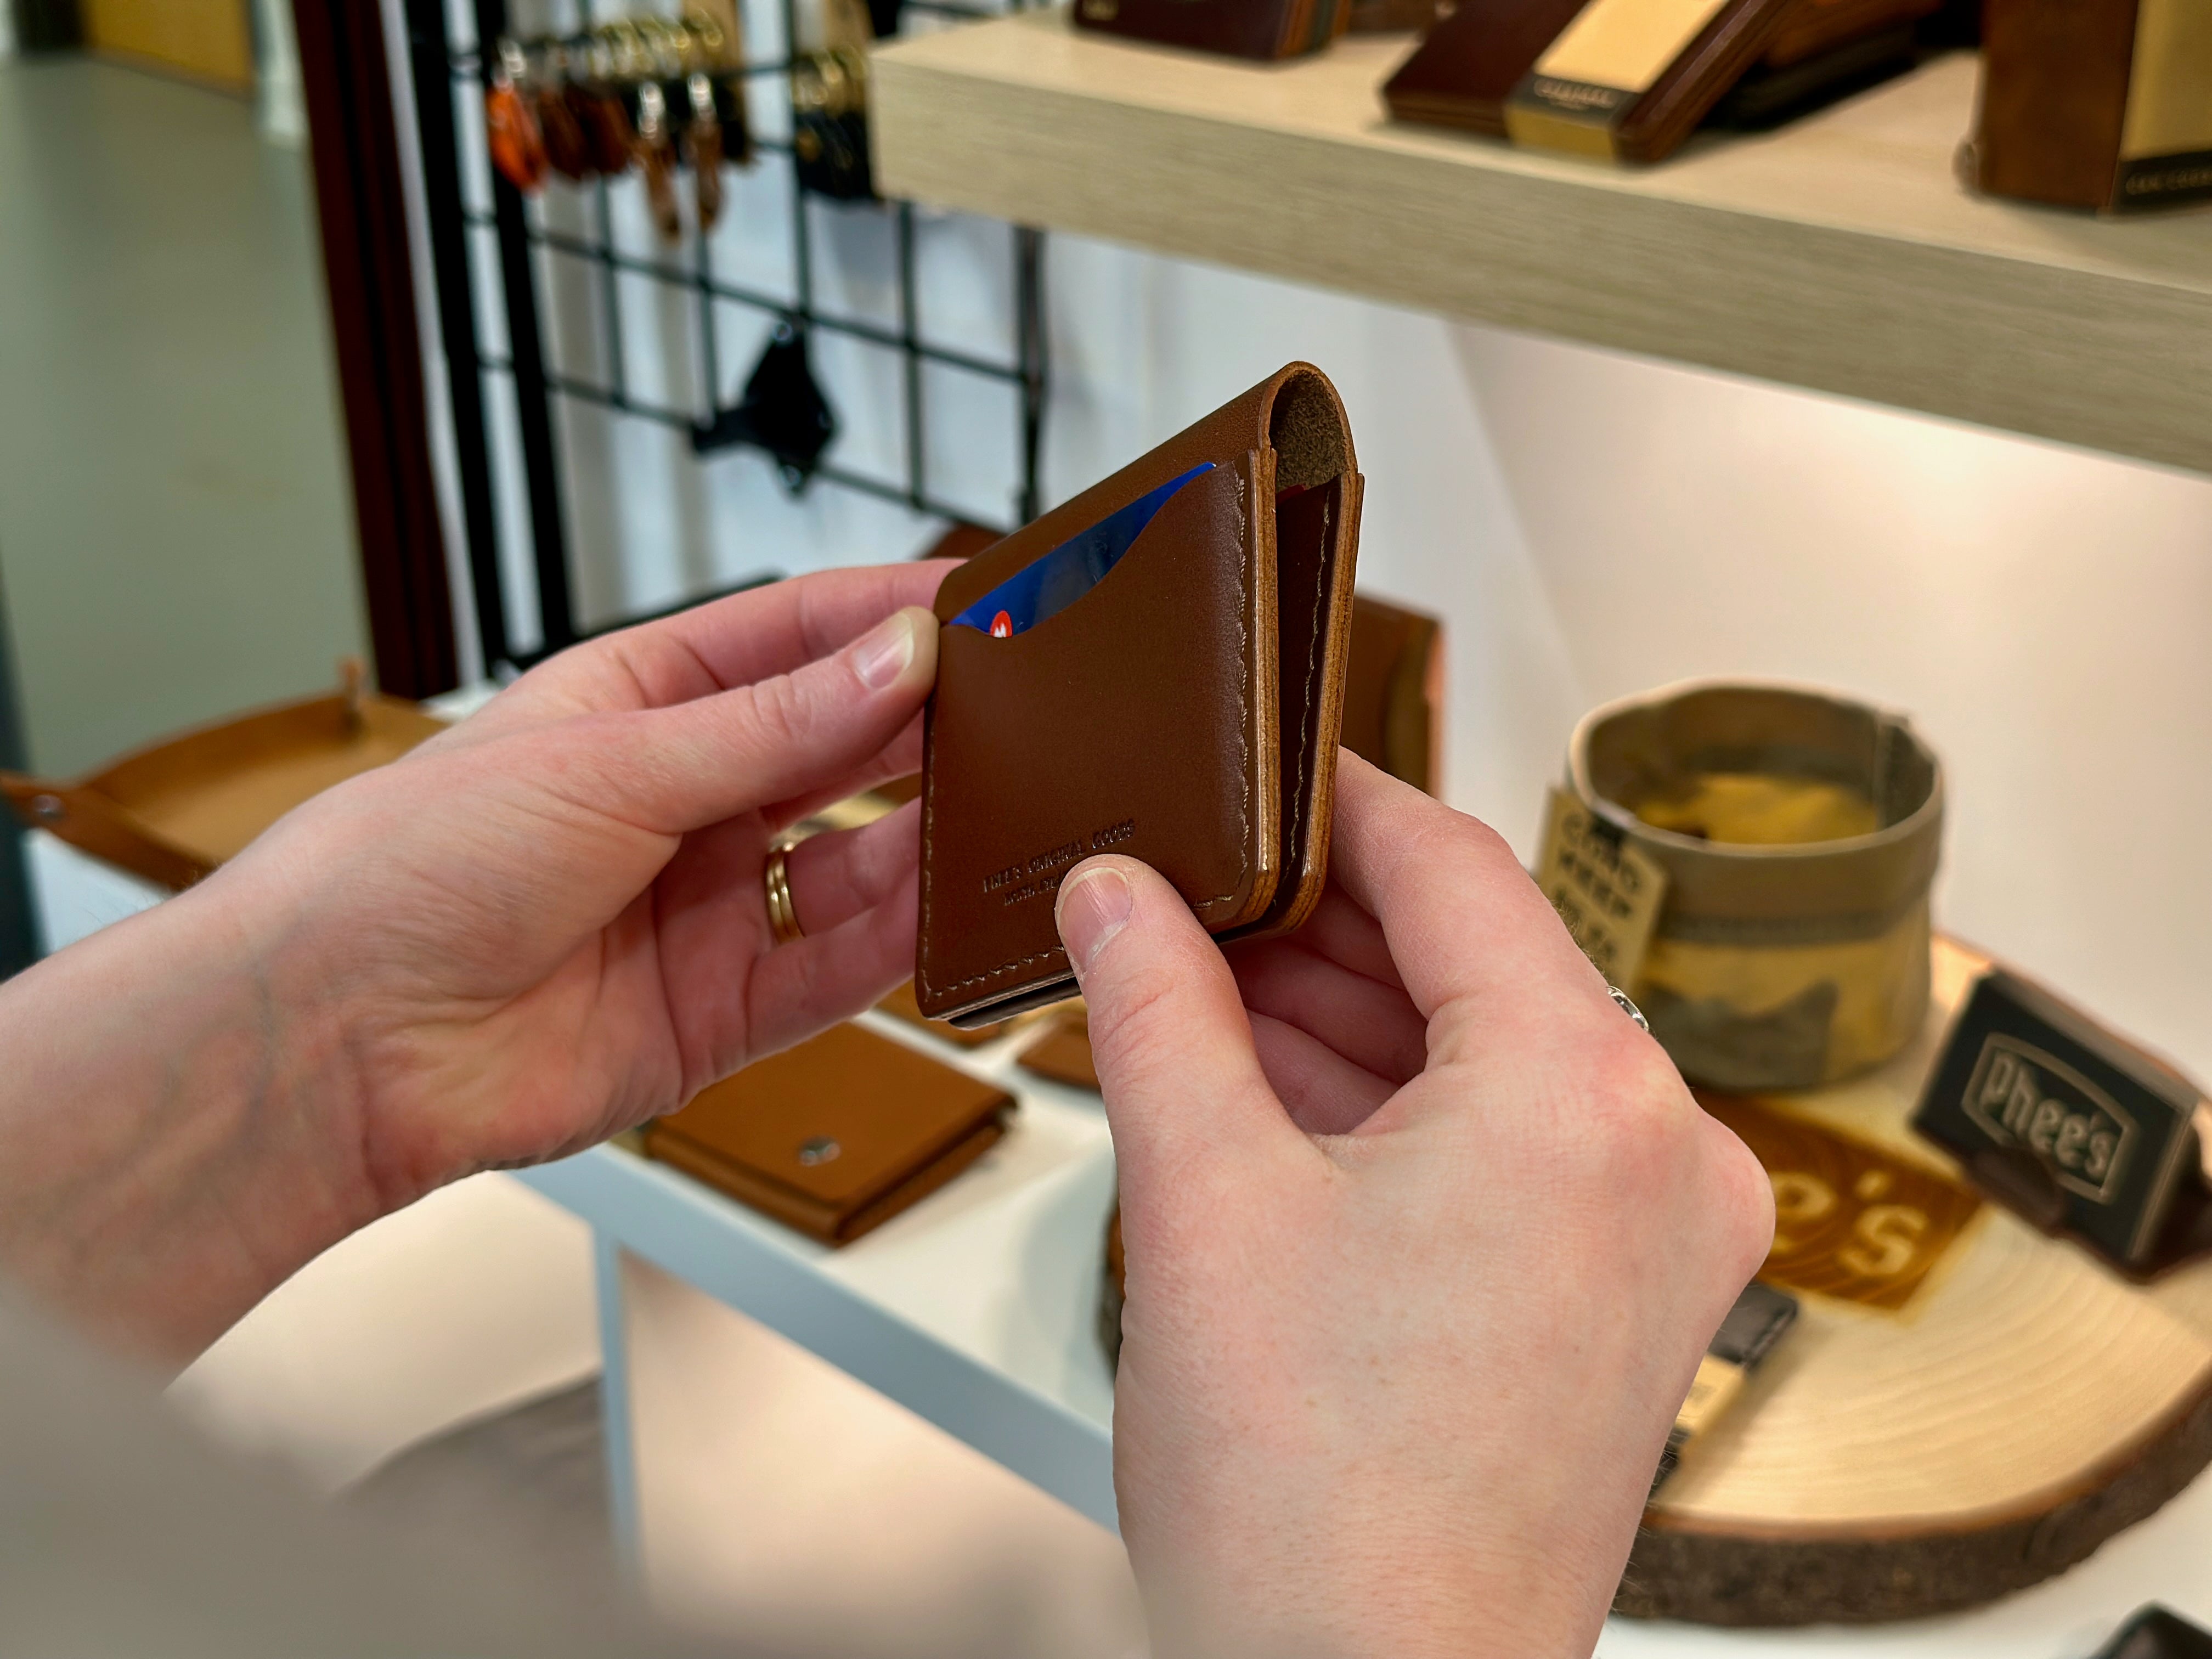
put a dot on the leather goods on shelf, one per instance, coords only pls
(835, 1137)
(173, 811)
(1239, 28)
(1467, 66)
(1629, 80)
(1184, 711)
(1394, 692)
(1765, 97)
(2095, 103)
(1813, 27)
(1391, 17)
(1063, 1053)
(1797, 832)
(1470, 65)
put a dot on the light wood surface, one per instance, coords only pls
(207, 39)
(2019, 1407)
(1839, 252)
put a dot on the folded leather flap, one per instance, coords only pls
(839, 1119)
(1138, 720)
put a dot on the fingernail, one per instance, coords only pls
(881, 655)
(1094, 906)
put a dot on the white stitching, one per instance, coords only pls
(1243, 776)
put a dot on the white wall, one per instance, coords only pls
(1588, 525)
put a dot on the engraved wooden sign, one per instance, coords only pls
(1964, 1406)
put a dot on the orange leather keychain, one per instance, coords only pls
(518, 147)
(656, 159)
(703, 139)
(567, 145)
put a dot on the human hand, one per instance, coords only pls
(549, 924)
(540, 927)
(1423, 1240)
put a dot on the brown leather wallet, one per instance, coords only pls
(1184, 711)
(1063, 1054)
(1484, 68)
(1240, 28)
(836, 1136)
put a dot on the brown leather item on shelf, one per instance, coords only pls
(1063, 1054)
(1543, 72)
(901, 1005)
(1813, 27)
(1185, 711)
(1467, 67)
(1393, 17)
(1276, 28)
(835, 1137)
(173, 811)
(1394, 692)
(2095, 103)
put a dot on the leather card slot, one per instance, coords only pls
(1310, 536)
(1140, 720)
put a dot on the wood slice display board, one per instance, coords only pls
(1964, 1406)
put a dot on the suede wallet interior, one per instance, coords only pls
(1182, 707)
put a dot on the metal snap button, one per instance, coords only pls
(820, 1150)
(50, 808)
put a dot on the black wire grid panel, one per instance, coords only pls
(437, 66)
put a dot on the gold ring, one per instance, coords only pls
(782, 917)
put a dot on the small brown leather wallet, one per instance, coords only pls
(1155, 668)
(836, 1136)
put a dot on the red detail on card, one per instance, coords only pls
(1002, 627)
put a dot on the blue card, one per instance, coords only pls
(1049, 584)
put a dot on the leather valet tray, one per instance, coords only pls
(173, 811)
(836, 1136)
(1184, 710)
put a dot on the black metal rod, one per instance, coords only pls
(680, 420)
(548, 539)
(1032, 348)
(609, 294)
(910, 341)
(577, 248)
(710, 354)
(457, 318)
(19, 943)
(802, 247)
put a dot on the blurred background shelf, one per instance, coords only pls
(1838, 253)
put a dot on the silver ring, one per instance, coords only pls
(1630, 1009)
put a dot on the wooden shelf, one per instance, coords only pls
(1838, 253)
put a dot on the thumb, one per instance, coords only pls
(1167, 1028)
(684, 767)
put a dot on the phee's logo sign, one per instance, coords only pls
(2021, 1097)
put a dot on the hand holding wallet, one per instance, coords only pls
(1155, 668)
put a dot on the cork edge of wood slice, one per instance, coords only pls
(1871, 1576)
